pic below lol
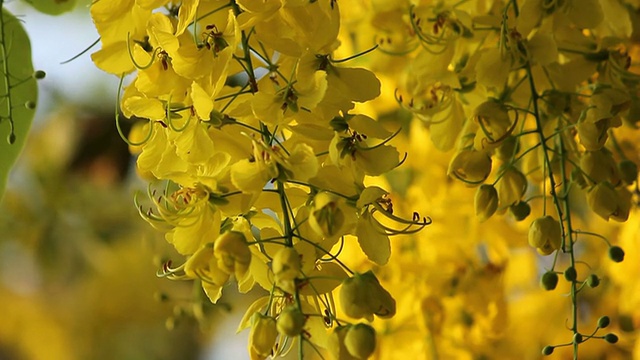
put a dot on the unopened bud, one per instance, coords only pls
(545, 235)
(291, 321)
(360, 341)
(603, 322)
(611, 338)
(616, 254)
(593, 281)
(520, 210)
(570, 274)
(485, 201)
(549, 280)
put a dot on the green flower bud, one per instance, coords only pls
(290, 321)
(593, 281)
(603, 322)
(362, 296)
(628, 171)
(547, 350)
(39, 75)
(520, 210)
(577, 338)
(511, 186)
(262, 337)
(545, 235)
(616, 254)
(611, 338)
(549, 280)
(485, 201)
(570, 274)
(470, 166)
(360, 341)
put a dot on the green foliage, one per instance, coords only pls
(19, 90)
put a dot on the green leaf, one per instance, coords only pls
(52, 7)
(18, 92)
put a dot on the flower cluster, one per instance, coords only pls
(270, 162)
(536, 101)
(260, 167)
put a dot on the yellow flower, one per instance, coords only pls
(362, 296)
(203, 265)
(470, 166)
(511, 186)
(233, 254)
(609, 203)
(267, 163)
(262, 337)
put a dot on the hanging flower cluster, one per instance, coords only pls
(258, 162)
(269, 162)
(535, 101)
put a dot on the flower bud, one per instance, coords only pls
(362, 296)
(593, 281)
(291, 321)
(520, 210)
(485, 201)
(470, 166)
(547, 350)
(232, 253)
(336, 346)
(549, 280)
(577, 338)
(511, 186)
(286, 265)
(262, 337)
(545, 235)
(611, 338)
(360, 341)
(603, 322)
(570, 274)
(628, 171)
(39, 75)
(616, 254)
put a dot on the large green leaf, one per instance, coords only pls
(52, 7)
(18, 92)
